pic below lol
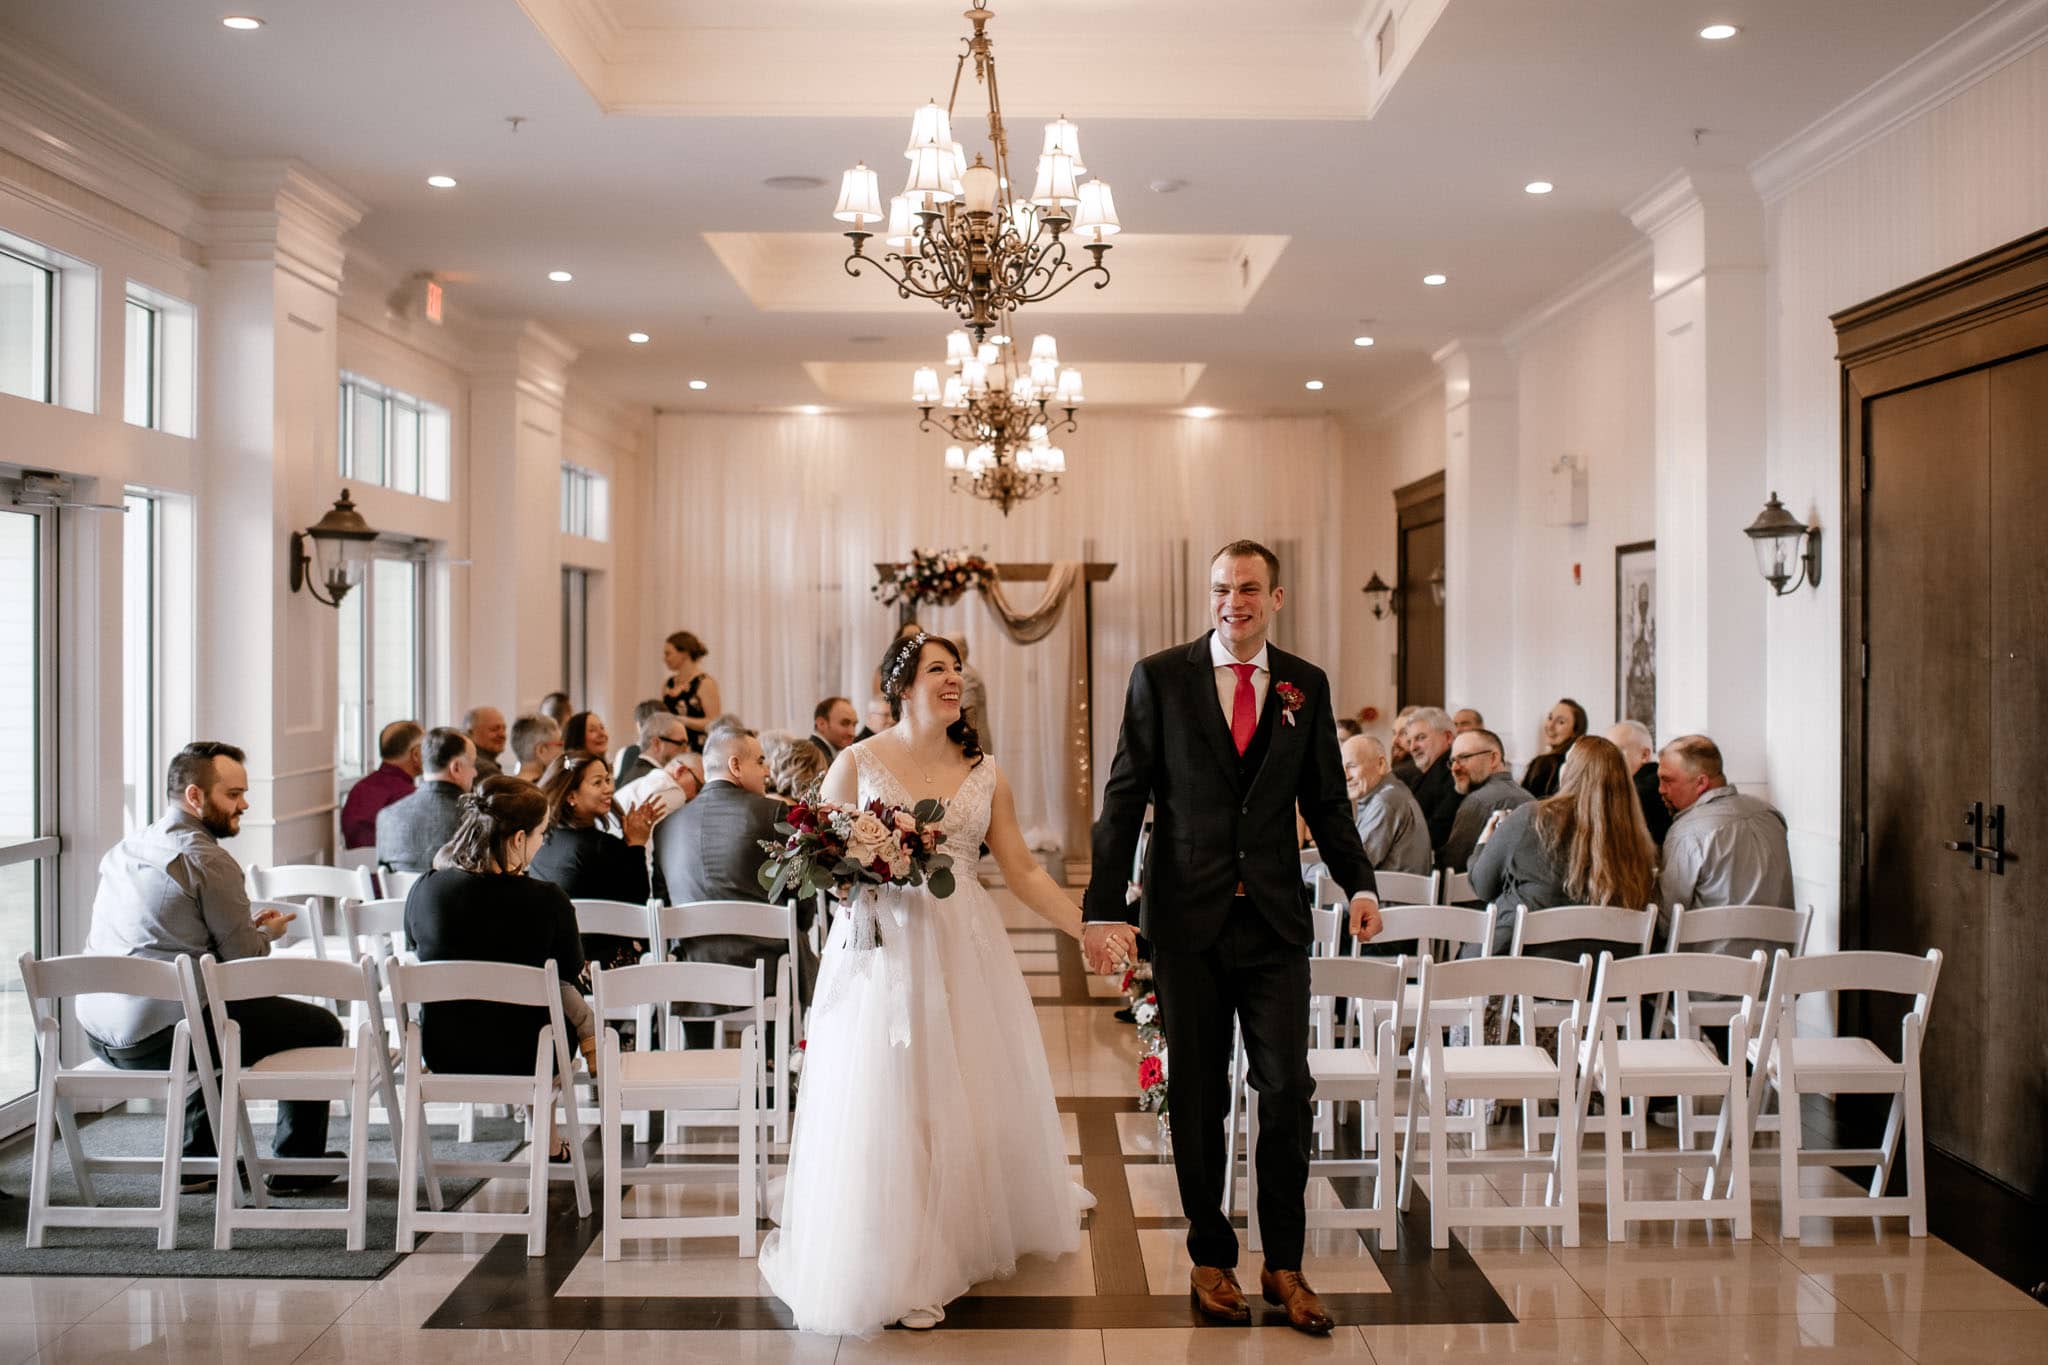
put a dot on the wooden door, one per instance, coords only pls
(1419, 670)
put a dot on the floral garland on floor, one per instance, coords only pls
(1144, 1004)
(933, 576)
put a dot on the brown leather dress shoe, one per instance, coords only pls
(1218, 1295)
(1304, 1310)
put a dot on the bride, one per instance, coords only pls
(927, 1155)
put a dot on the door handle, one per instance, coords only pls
(1997, 852)
(1973, 820)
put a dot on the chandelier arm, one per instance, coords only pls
(1097, 269)
(905, 285)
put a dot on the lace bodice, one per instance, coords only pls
(967, 814)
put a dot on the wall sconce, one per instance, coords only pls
(1436, 585)
(1384, 603)
(338, 540)
(1787, 549)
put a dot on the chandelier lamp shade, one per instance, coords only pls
(958, 234)
(999, 407)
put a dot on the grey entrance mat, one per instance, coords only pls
(265, 1253)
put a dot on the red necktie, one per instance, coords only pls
(1244, 709)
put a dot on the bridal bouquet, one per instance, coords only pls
(830, 847)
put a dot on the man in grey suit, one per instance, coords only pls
(411, 832)
(710, 850)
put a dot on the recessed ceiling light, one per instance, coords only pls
(637, 338)
(794, 182)
(1167, 185)
(699, 385)
(242, 23)
(1538, 187)
(810, 409)
(1714, 33)
(1201, 414)
(1313, 385)
(1361, 341)
(441, 182)
(1436, 279)
(560, 276)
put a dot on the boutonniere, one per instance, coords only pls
(1290, 700)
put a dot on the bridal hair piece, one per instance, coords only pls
(911, 647)
(898, 660)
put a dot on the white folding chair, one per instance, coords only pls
(1406, 888)
(1365, 1075)
(1792, 1066)
(1731, 930)
(676, 924)
(427, 983)
(397, 885)
(59, 1088)
(376, 930)
(1623, 927)
(1438, 932)
(616, 919)
(1310, 857)
(326, 886)
(1638, 1069)
(354, 858)
(1456, 888)
(356, 1074)
(1480, 1071)
(701, 1087)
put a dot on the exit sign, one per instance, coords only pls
(431, 302)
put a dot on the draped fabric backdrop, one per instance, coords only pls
(766, 530)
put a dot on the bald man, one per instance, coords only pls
(1639, 756)
(1390, 820)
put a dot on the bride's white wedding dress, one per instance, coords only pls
(927, 1154)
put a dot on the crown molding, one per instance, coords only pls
(1616, 268)
(526, 355)
(281, 211)
(2000, 35)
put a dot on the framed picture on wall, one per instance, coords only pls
(1635, 632)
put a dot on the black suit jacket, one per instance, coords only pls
(824, 746)
(1436, 791)
(1220, 820)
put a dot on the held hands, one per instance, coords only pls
(1365, 918)
(1108, 946)
(271, 923)
(638, 822)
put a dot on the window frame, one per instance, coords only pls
(44, 347)
(153, 360)
(432, 433)
(362, 601)
(576, 594)
(586, 503)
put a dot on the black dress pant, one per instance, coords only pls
(270, 1024)
(1252, 975)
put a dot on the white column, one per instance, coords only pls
(1479, 525)
(265, 655)
(1707, 239)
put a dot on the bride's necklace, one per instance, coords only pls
(924, 774)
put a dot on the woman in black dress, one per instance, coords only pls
(584, 858)
(1563, 727)
(690, 692)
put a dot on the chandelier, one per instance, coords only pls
(1000, 412)
(958, 234)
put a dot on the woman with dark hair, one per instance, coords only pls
(585, 858)
(478, 905)
(690, 692)
(927, 1155)
(1586, 845)
(1563, 726)
(585, 734)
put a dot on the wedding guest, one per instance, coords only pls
(670, 787)
(973, 697)
(662, 737)
(1563, 725)
(1585, 845)
(1347, 728)
(1465, 718)
(690, 692)
(536, 742)
(585, 734)
(486, 728)
(795, 771)
(834, 726)
(555, 706)
(623, 763)
(409, 832)
(1399, 762)
(171, 889)
(588, 861)
(398, 745)
(1390, 823)
(1639, 754)
(480, 906)
(1724, 847)
(878, 718)
(1436, 790)
(1485, 786)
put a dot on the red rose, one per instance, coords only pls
(800, 815)
(1149, 1073)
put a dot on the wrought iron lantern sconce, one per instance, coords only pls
(338, 539)
(1787, 549)
(1381, 596)
(1436, 585)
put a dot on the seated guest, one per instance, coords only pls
(795, 771)
(1465, 718)
(1639, 754)
(1723, 847)
(399, 747)
(586, 859)
(172, 889)
(585, 734)
(710, 850)
(623, 765)
(1586, 845)
(833, 727)
(555, 706)
(1390, 823)
(486, 728)
(1347, 728)
(536, 742)
(878, 718)
(1480, 770)
(670, 787)
(409, 832)
(1563, 725)
(1436, 790)
(662, 737)
(1401, 765)
(480, 906)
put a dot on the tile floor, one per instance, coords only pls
(1850, 1291)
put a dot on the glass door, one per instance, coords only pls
(28, 834)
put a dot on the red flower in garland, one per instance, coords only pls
(1150, 1073)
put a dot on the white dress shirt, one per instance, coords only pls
(1226, 678)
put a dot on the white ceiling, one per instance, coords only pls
(1599, 96)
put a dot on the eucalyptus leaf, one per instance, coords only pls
(941, 882)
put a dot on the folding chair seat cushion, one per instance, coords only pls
(1836, 1057)
(1664, 1059)
(307, 1061)
(691, 1066)
(1510, 1061)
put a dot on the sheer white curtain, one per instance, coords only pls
(767, 529)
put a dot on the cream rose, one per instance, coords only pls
(867, 838)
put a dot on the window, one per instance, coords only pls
(576, 634)
(27, 298)
(141, 655)
(157, 372)
(28, 842)
(139, 405)
(393, 439)
(382, 677)
(586, 503)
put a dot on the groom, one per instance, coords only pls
(1225, 738)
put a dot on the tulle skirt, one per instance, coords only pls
(918, 1169)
